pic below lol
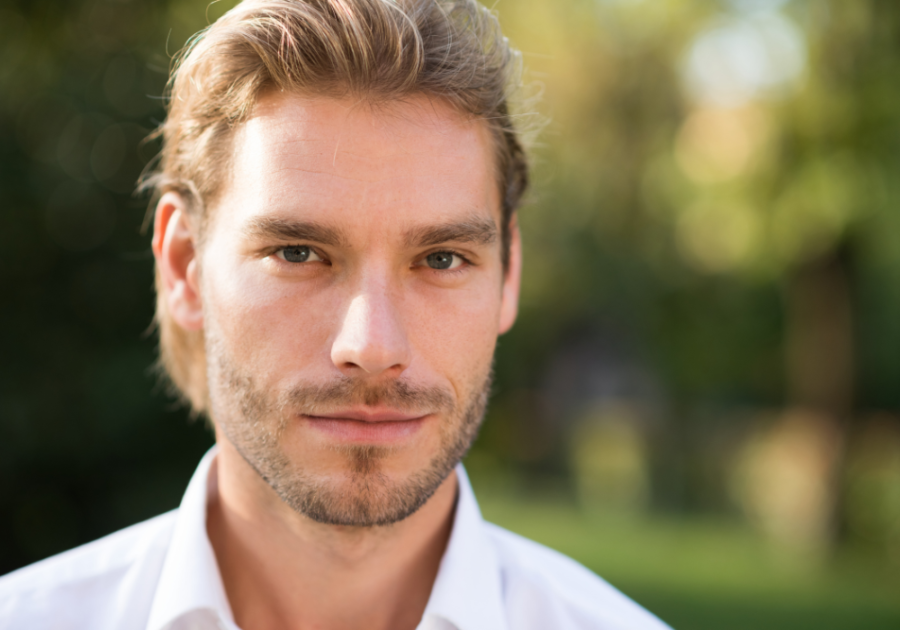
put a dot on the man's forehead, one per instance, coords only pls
(351, 128)
(416, 163)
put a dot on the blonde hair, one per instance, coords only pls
(376, 49)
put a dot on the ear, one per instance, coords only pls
(509, 305)
(175, 249)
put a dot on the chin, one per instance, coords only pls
(367, 491)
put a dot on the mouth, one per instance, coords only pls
(368, 426)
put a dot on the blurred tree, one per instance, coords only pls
(86, 444)
(721, 186)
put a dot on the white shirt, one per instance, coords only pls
(162, 575)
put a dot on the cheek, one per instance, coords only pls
(266, 323)
(457, 329)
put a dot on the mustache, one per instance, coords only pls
(347, 392)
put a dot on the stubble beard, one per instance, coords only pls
(254, 421)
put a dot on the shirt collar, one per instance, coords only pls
(190, 585)
(467, 592)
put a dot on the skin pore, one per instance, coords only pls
(350, 289)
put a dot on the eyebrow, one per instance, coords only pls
(266, 228)
(477, 230)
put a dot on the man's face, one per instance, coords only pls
(352, 291)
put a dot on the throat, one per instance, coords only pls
(283, 570)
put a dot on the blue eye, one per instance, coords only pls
(298, 254)
(442, 260)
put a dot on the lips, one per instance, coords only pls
(368, 426)
(370, 415)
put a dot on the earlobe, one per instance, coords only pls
(509, 306)
(174, 247)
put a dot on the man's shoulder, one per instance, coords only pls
(539, 580)
(76, 588)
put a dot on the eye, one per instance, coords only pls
(298, 254)
(443, 260)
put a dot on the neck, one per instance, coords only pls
(283, 570)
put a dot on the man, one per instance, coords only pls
(337, 252)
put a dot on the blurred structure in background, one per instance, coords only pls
(710, 321)
(598, 397)
(785, 480)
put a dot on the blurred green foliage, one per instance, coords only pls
(711, 240)
(705, 574)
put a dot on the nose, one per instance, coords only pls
(372, 339)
